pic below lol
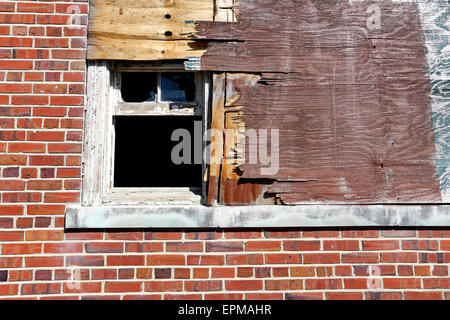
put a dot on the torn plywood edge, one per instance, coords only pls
(348, 91)
(146, 29)
(228, 134)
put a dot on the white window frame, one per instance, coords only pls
(105, 102)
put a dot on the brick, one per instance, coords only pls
(67, 100)
(16, 42)
(438, 270)
(208, 285)
(184, 246)
(15, 88)
(44, 235)
(11, 262)
(7, 6)
(410, 257)
(303, 272)
(127, 260)
(14, 111)
(238, 259)
(9, 135)
(200, 273)
(360, 234)
(42, 222)
(182, 273)
(29, 123)
(263, 246)
(34, 76)
(344, 295)
(30, 54)
(101, 274)
(43, 275)
(360, 258)
(47, 173)
(243, 285)
(40, 288)
(144, 247)
(141, 297)
(23, 223)
(163, 235)
(357, 283)
(301, 245)
(35, 7)
(49, 112)
(166, 259)
(12, 185)
(224, 246)
(284, 284)
(44, 185)
(398, 233)
(321, 258)
(82, 287)
(204, 260)
(383, 296)
(104, 247)
(12, 172)
(69, 54)
(420, 244)
(85, 260)
(11, 236)
(304, 296)
(263, 296)
(377, 245)
(22, 197)
(20, 275)
(54, 32)
(6, 223)
(436, 283)
(10, 209)
(21, 248)
(84, 236)
(69, 247)
(52, 43)
(222, 272)
(163, 286)
(44, 261)
(401, 283)
(144, 273)
(276, 258)
(126, 273)
(26, 147)
(163, 273)
(262, 272)
(46, 209)
(49, 88)
(45, 136)
(281, 234)
(64, 148)
(61, 197)
(12, 159)
(8, 289)
(123, 236)
(68, 173)
(415, 295)
(323, 284)
(244, 272)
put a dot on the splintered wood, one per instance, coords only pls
(146, 29)
(348, 90)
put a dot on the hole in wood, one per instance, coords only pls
(168, 33)
(168, 16)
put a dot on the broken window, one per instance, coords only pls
(154, 122)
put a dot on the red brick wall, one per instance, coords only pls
(42, 74)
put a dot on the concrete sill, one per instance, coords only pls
(197, 216)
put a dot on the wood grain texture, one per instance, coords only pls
(352, 103)
(146, 29)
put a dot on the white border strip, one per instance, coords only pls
(198, 216)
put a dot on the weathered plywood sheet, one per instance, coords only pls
(146, 29)
(351, 98)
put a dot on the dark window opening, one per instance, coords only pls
(139, 86)
(178, 86)
(143, 149)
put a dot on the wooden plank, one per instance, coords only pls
(352, 103)
(146, 29)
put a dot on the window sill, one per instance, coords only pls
(197, 216)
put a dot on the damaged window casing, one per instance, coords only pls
(110, 178)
